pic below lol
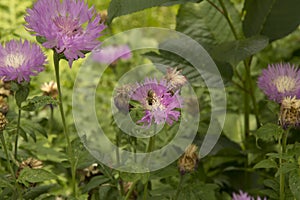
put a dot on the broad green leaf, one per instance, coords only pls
(267, 163)
(286, 168)
(122, 7)
(272, 18)
(34, 175)
(236, 51)
(294, 183)
(198, 191)
(38, 102)
(204, 23)
(268, 132)
(270, 193)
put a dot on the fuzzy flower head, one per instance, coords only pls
(111, 54)
(244, 196)
(280, 81)
(68, 26)
(19, 61)
(50, 89)
(189, 160)
(158, 102)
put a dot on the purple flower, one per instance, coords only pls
(279, 81)
(158, 102)
(19, 61)
(110, 54)
(69, 27)
(244, 196)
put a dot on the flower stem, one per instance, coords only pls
(282, 175)
(130, 190)
(61, 108)
(179, 187)
(6, 154)
(17, 134)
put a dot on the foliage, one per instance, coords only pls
(253, 154)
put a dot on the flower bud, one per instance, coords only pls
(189, 160)
(289, 112)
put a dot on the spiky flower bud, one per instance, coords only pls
(289, 112)
(3, 121)
(189, 160)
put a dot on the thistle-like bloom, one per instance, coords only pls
(111, 54)
(19, 61)
(189, 160)
(175, 79)
(244, 196)
(122, 97)
(289, 112)
(69, 27)
(158, 102)
(280, 81)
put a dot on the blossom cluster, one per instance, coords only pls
(245, 196)
(160, 100)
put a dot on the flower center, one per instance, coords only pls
(67, 26)
(285, 84)
(14, 60)
(153, 102)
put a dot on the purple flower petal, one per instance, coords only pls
(19, 61)
(69, 27)
(279, 81)
(108, 55)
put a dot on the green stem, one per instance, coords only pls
(130, 190)
(61, 108)
(282, 175)
(6, 154)
(225, 13)
(179, 187)
(17, 134)
(149, 149)
(51, 119)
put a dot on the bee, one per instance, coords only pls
(151, 97)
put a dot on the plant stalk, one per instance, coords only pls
(179, 187)
(282, 175)
(17, 134)
(6, 154)
(61, 108)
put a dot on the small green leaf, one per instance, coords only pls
(286, 168)
(38, 102)
(130, 177)
(32, 193)
(271, 183)
(22, 93)
(267, 163)
(34, 175)
(40, 39)
(94, 182)
(268, 132)
(294, 183)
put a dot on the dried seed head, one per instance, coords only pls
(122, 97)
(3, 105)
(50, 89)
(175, 79)
(3, 121)
(31, 163)
(289, 112)
(189, 160)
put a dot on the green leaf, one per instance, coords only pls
(34, 192)
(38, 102)
(271, 183)
(294, 183)
(203, 23)
(236, 51)
(22, 93)
(268, 132)
(94, 182)
(266, 164)
(286, 168)
(272, 18)
(34, 175)
(122, 7)
(198, 191)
